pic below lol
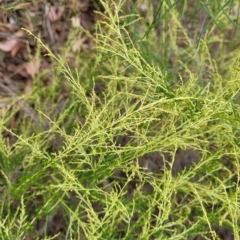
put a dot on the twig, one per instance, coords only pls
(49, 28)
(21, 103)
(9, 36)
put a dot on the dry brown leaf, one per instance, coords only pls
(83, 43)
(79, 43)
(8, 45)
(19, 34)
(22, 72)
(28, 86)
(54, 13)
(16, 48)
(32, 67)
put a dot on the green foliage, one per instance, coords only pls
(165, 88)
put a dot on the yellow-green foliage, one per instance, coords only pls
(191, 103)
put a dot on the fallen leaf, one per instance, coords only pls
(28, 86)
(77, 44)
(8, 45)
(54, 13)
(19, 34)
(32, 67)
(16, 48)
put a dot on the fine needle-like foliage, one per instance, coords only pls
(92, 161)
